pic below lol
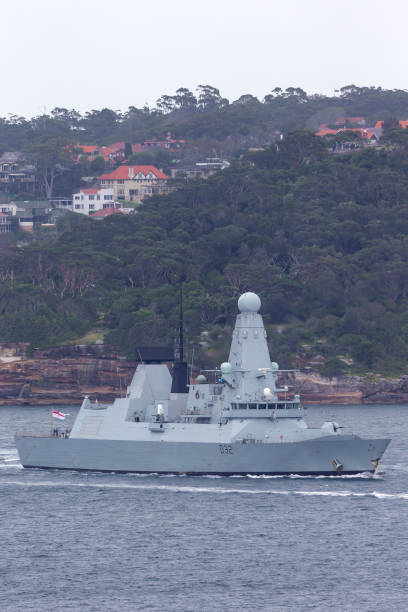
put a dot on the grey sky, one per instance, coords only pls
(116, 53)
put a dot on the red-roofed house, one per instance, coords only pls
(370, 134)
(114, 152)
(326, 132)
(106, 212)
(133, 183)
(402, 123)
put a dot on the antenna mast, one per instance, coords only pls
(181, 338)
(180, 375)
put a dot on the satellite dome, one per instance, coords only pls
(226, 367)
(249, 302)
(274, 365)
(201, 379)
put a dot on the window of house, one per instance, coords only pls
(107, 197)
(91, 206)
(91, 197)
(77, 206)
(98, 197)
(133, 192)
(77, 197)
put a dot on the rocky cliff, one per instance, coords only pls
(315, 389)
(64, 375)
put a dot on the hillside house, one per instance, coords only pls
(31, 214)
(5, 223)
(8, 208)
(403, 123)
(133, 183)
(368, 135)
(87, 201)
(113, 153)
(16, 174)
(170, 144)
(61, 203)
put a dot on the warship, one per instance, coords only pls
(235, 420)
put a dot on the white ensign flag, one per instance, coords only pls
(59, 415)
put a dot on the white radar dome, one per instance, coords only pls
(226, 368)
(267, 391)
(249, 302)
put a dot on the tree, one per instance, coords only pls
(98, 165)
(300, 146)
(51, 158)
(185, 100)
(209, 98)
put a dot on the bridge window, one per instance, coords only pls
(261, 406)
(252, 406)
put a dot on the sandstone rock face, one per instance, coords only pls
(315, 389)
(64, 375)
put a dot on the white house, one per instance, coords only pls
(87, 201)
(9, 208)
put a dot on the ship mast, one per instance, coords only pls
(181, 338)
(179, 384)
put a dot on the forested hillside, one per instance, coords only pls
(322, 238)
(204, 117)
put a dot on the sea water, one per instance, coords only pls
(124, 542)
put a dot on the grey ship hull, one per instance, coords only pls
(312, 457)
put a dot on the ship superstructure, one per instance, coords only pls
(235, 420)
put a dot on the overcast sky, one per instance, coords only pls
(117, 53)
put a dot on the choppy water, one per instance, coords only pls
(112, 542)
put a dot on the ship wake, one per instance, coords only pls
(205, 490)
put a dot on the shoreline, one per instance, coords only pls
(62, 376)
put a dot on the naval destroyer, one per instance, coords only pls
(235, 420)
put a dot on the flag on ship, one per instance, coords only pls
(59, 415)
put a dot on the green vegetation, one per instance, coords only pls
(208, 122)
(322, 238)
